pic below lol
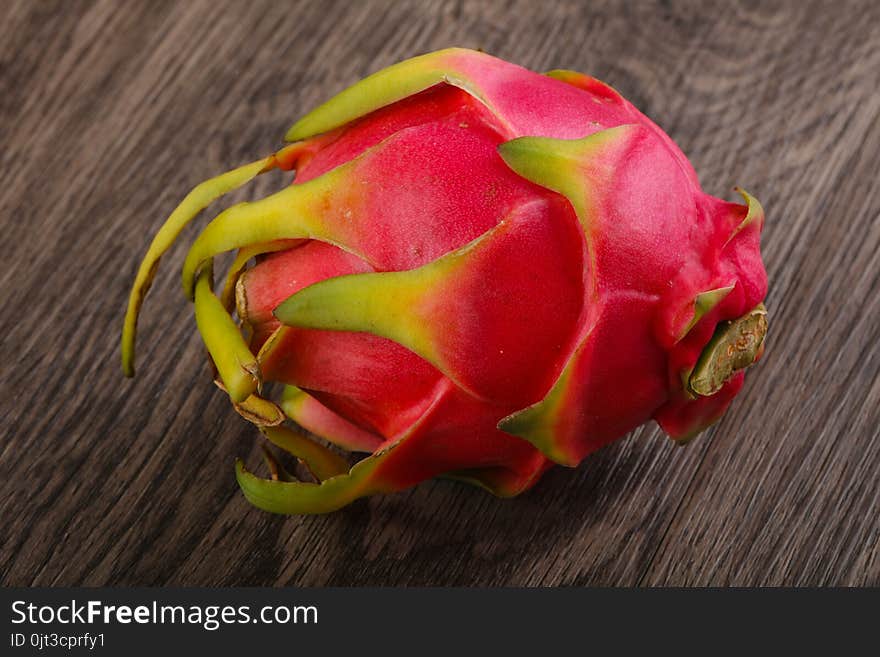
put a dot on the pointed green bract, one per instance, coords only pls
(703, 304)
(199, 198)
(364, 478)
(568, 76)
(571, 167)
(300, 497)
(393, 305)
(587, 83)
(754, 215)
(236, 365)
(386, 87)
(575, 168)
(312, 415)
(292, 400)
(288, 214)
(380, 303)
(538, 423)
(321, 461)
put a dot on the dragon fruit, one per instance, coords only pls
(478, 271)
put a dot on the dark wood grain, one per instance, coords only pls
(111, 111)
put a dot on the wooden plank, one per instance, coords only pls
(110, 112)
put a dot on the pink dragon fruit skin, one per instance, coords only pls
(479, 271)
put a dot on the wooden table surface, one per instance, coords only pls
(111, 111)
